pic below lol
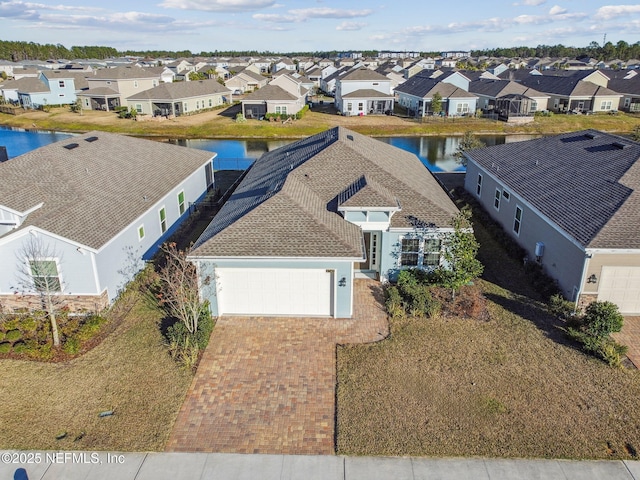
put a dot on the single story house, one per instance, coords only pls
(180, 98)
(492, 94)
(272, 99)
(572, 201)
(246, 81)
(416, 95)
(311, 216)
(98, 203)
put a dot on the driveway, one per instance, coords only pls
(267, 385)
(630, 336)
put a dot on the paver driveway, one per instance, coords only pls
(267, 385)
(630, 336)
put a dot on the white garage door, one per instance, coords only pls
(621, 285)
(275, 291)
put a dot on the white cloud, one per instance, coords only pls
(218, 5)
(612, 11)
(304, 14)
(557, 10)
(350, 26)
(530, 3)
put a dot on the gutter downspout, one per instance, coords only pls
(587, 256)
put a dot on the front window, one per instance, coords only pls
(45, 275)
(605, 105)
(281, 109)
(479, 185)
(61, 83)
(360, 106)
(496, 200)
(138, 107)
(410, 252)
(431, 256)
(140, 232)
(534, 105)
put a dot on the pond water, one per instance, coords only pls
(19, 141)
(436, 153)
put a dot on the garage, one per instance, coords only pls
(275, 291)
(621, 285)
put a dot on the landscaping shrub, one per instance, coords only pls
(13, 335)
(20, 347)
(186, 347)
(414, 288)
(5, 347)
(601, 319)
(592, 332)
(71, 346)
(393, 302)
(561, 307)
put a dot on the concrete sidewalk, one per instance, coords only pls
(231, 466)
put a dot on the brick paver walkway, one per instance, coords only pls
(267, 385)
(630, 336)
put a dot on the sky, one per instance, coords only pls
(318, 25)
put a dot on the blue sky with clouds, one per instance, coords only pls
(316, 25)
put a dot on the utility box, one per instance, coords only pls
(3, 154)
(539, 250)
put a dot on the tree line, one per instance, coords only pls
(18, 51)
(609, 51)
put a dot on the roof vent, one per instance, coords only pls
(619, 145)
(71, 146)
(591, 135)
(350, 137)
(90, 139)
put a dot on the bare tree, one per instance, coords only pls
(38, 273)
(179, 292)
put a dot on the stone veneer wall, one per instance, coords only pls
(75, 303)
(585, 299)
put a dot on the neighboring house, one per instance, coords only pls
(571, 94)
(60, 88)
(263, 65)
(416, 95)
(328, 82)
(285, 64)
(311, 216)
(626, 83)
(25, 72)
(271, 99)
(110, 87)
(363, 92)
(491, 92)
(572, 202)
(291, 84)
(246, 81)
(166, 74)
(180, 98)
(100, 202)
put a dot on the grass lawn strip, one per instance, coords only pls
(130, 373)
(217, 124)
(510, 387)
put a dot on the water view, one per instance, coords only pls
(18, 142)
(436, 153)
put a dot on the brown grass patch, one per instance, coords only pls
(130, 372)
(452, 387)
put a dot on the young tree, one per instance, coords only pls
(179, 287)
(469, 142)
(436, 103)
(460, 249)
(37, 273)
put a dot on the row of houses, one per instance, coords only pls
(312, 216)
(360, 88)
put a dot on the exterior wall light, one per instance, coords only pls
(592, 278)
(342, 282)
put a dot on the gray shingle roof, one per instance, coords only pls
(367, 93)
(180, 90)
(566, 86)
(589, 187)
(123, 73)
(270, 92)
(361, 74)
(92, 192)
(287, 204)
(500, 88)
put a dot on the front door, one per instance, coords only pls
(371, 248)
